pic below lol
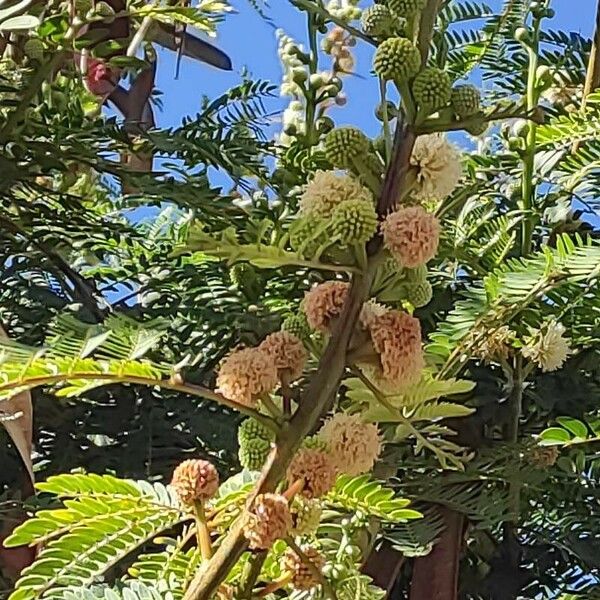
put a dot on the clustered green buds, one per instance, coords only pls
(34, 49)
(255, 444)
(344, 144)
(314, 442)
(306, 515)
(377, 21)
(432, 88)
(466, 100)
(308, 234)
(419, 294)
(397, 59)
(354, 222)
(406, 8)
(297, 325)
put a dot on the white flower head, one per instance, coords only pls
(438, 167)
(547, 347)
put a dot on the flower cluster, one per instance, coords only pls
(269, 520)
(547, 347)
(346, 10)
(303, 576)
(195, 481)
(287, 352)
(315, 468)
(353, 444)
(325, 302)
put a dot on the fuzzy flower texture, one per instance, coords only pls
(316, 469)
(270, 519)
(287, 352)
(548, 348)
(324, 302)
(245, 375)
(438, 167)
(195, 480)
(354, 445)
(327, 190)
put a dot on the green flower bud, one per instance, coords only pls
(83, 6)
(432, 88)
(392, 111)
(377, 21)
(344, 144)
(466, 100)
(397, 59)
(244, 277)
(314, 442)
(251, 429)
(406, 8)
(299, 75)
(34, 49)
(306, 515)
(354, 222)
(297, 325)
(104, 9)
(417, 275)
(307, 235)
(419, 294)
(324, 124)
(253, 454)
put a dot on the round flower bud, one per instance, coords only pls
(411, 235)
(83, 6)
(392, 111)
(354, 445)
(466, 100)
(303, 577)
(104, 9)
(406, 8)
(397, 59)
(315, 443)
(325, 302)
(306, 516)
(253, 453)
(297, 325)
(251, 429)
(245, 375)
(315, 469)
(354, 222)
(308, 234)
(34, 49)
(377, 21)
(286, 351)
(270, 519)
(432, 88)
(419, 294)
(195, 481)
(344, 144)
(416, 275)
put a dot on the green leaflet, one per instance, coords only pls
(370, 497)
(102, 520)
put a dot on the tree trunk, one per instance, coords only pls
(435, 576)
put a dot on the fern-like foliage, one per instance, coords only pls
(102, 521)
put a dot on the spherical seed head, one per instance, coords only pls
(245, 375)
(354, 222)
(251, 429)
(270, 519)
(325, 302)
(406, 8)
(287, 352)
(195, 481)
(315, 469)
(354, 445)
(345, 144)
(432, 88)
(306, 515)
(466, 100)
(419, 294)
(253, 453)
(34, 49)
(396, 337)
(297, 325)
(411, 235)
(303, 577)
(397, 59)
(377, 21)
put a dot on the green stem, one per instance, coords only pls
(387, 133)
(202, 533)
(313, 66)
(528, 189)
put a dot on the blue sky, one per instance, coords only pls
(251, 43)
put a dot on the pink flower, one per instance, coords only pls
(100, 79)
(324, 302)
